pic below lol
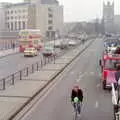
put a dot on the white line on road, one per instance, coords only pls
(92, 73)
(72, 72)
(98, 85)
(96, 104)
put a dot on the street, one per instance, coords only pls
(97, 103)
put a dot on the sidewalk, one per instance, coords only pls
(15, 97)
(8, 52)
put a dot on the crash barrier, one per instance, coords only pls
(11, 79)
(115, 101)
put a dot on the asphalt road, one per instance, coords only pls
(97, 103)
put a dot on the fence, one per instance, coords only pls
(11, 79)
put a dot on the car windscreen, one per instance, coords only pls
(29, 49)
(111, 64)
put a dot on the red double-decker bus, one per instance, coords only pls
(30, 38)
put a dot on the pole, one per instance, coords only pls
(54, 47)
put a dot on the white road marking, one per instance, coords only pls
(98, 85)
(96, 104)
(92, 73)
(81, 76)
(72, 72)
(80, 73)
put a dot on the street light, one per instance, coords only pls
(54, 45)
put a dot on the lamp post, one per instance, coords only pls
(54, 45)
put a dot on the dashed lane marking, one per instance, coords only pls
(96, 104)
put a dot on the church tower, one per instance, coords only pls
(108, 16)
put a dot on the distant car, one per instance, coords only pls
(48, 51)
(64, 44)
(72, 43)
(30, 52)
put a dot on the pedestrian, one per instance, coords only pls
(13, 45)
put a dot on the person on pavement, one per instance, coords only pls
(77, 92)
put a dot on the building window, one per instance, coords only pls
(7, 25)
(15, 17)
(11, 11)
(15, 12)
(8, 12)
(23, 25)
(50, 21)
(15, 25)
(50, 15)
(19, 17)
(11, 17)
(7, 18)
(50, 28)
(11, 26)
(19, 11)
(19, 25)
(49, 9)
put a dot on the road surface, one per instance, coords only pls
(97, 104)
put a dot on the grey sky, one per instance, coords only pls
(80, 10)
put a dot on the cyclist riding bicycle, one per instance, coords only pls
(77, 92)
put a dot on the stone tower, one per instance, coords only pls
(108, 16)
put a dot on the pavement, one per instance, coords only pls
(15, 97)
(56, 105)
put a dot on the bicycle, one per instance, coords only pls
(77, 107)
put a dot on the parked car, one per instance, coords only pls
(30, 52)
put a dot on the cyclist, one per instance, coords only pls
(77, 92)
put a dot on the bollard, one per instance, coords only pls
(45, 61)
(20, 75)
(32, 68)
(37, 66)
(13, 79)
(4, 84)
(41, 64)
(27, 71)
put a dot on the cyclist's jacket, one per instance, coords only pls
(78, 94)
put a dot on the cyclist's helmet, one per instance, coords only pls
(76, 87)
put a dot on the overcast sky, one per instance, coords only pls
(80, 10)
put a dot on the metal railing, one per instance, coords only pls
(13, 78)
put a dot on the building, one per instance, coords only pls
(108, 17)
(33, 14)
(117, 23)
(2, 15)
(16, 16)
